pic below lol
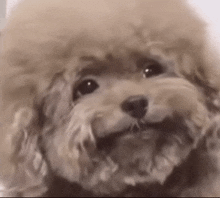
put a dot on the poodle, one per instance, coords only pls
(109, 98)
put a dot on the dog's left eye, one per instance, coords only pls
(150, 68)
(86, 87)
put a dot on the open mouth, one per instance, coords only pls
(162, 131)
(142, 155)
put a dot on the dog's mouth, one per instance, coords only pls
(148, 131)
(142, 155)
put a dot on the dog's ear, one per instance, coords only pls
(200, 65)
(209, 78)
(29, 167)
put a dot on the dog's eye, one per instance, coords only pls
(150, 68)
(86, 87)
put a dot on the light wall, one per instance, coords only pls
(10, 5)
(2, 13)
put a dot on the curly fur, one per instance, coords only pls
(55, 145)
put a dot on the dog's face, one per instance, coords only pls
(118, 96)
(120, 119)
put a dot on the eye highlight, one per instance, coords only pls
(85, 87)
(150, 68)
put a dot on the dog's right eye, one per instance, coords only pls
(85, 87)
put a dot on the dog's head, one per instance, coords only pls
(107, 94)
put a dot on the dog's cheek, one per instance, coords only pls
(63, 161)
(30, 167)
(187, 102)
(68, 152)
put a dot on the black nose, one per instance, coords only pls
(135, 106)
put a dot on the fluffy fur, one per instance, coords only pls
(57, 141)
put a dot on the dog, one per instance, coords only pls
(109, 98)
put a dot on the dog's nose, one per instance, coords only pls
(135, 106)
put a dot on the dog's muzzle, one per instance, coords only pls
(144, 153)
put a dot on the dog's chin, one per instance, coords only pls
(143, 156)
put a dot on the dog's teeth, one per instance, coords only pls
(37, 161)
(172, 160)
(165, 163)
(162, 163)
(130, 181)
(150, 166)
(112, 165)
(105, 175)
(43, 169)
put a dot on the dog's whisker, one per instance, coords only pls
(112, 164)
(135, 127)
(178, 139)
(132, 127)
